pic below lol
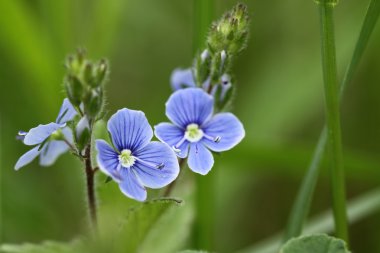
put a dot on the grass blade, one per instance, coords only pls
(302, 204)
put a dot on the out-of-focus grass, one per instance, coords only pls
(279, 100)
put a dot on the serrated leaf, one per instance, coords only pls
(150, 223)
(318, 243)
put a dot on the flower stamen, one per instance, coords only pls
(193, 133)
(126, 158)
(176, 146)
(215, 139)
(150, 164)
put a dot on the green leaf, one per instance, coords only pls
(44, 247)
(150, 224)
(319, 243)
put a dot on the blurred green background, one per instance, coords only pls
(279, 100)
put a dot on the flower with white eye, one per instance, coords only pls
(134, 162)
(195, 130)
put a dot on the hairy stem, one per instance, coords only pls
(333, 119)
(90, 175)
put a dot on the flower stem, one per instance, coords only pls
(90, 175)
(301, 205)
(333, 118)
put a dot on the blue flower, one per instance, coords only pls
(48, 150)
(196, 130)
(135, 162)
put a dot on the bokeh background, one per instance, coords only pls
(279, 100)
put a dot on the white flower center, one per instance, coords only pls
(126, 158)
(193, 133)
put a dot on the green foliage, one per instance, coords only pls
(45, 247)
(319, 243)
(160, 225)
(302, 203)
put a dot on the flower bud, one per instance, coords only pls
(74, 89)
(202, 67)
(82, 133)
(93, 103)
(230, 33)
(101, 72)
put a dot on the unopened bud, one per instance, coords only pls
(230, 33)
(101, 72)
(93, 103)
(74, 90)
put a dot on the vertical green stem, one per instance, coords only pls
(301, 205)
(90, 176)
(333, 118)
(203, 229)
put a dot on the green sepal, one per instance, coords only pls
(83, 139)
(74, 89)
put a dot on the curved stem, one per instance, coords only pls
(333, 119)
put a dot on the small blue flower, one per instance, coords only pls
(48, 150)
(135, 162)
(196, 130)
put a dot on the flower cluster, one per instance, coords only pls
(199, 125)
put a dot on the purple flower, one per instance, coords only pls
(135, 162)
(48, 150)
(196, 130)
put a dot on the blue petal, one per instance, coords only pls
(161, 155)
(51, 151)
(172, 135)
(131, 187)
(187, 106)
(227, 127)
(200, 158)
(129, 129)
(39, 134)
(66, 113)
(27, 157)
(182, 78)
(108, 160)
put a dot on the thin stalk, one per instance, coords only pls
(333, 119)
(203, 227)
(302, 203)
(90, 175)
